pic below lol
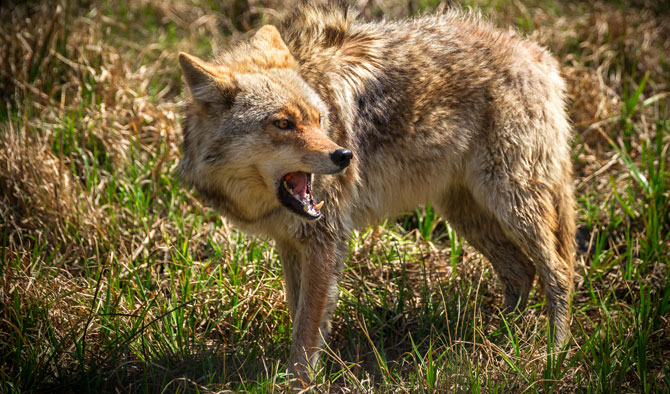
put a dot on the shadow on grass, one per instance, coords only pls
(246, 367)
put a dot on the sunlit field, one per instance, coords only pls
(115, 278)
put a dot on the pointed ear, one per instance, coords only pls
(207, 83)
(268, 37)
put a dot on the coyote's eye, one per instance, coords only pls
(283, 124)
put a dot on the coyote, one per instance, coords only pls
(327, 124)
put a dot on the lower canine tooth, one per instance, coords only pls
(305, 208)
(318, 206)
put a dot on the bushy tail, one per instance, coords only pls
(566, 232)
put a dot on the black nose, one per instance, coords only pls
(341, 157)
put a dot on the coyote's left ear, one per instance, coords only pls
(208, 83)
(268, 37)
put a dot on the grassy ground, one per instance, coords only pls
(116, 279)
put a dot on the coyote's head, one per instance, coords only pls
(254, 131)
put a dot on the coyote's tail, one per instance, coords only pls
(566, 231)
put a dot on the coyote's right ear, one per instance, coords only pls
(208, 83)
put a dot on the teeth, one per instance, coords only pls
(289, 190)
(307, 206)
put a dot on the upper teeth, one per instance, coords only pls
(288, 188)
(291, 192)
(307, 206)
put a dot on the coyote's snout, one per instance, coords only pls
(295, 188)
(348, 122)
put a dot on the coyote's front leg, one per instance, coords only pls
(321, 262)
(291, 255)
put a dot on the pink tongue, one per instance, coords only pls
(298, 182)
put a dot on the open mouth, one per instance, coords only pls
(295, 193)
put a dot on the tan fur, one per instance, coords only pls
(442, 109)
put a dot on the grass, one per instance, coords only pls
(114, 278)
